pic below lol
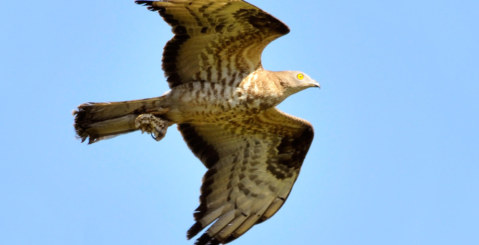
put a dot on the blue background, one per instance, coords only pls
(394, 159)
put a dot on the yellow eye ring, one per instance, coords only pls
(300, 76)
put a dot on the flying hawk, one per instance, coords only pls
(223, 102)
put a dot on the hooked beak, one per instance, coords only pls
(315, 84)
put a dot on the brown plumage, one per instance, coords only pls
(223, 102)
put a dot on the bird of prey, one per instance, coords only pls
(223, 101)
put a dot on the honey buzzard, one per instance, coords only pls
(223, 102)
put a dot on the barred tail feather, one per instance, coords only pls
(97, 121)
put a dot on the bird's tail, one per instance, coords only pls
(98, 121)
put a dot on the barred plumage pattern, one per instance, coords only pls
(223, 102)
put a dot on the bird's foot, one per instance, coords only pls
(153, 125)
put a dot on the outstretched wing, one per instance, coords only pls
(252, 166)
(215, 40)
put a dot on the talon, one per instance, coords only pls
(152, 124)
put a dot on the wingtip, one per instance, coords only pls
(194, 230)
(142, 2)
(206, 239)
(149, 5)
(145, 3)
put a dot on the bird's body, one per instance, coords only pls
(258, 91)
(223, 102)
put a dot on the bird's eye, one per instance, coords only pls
(300, 76)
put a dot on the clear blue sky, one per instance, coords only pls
(394, 160)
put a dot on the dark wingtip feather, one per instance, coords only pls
(194, 230)
(206, 239)
(149, 4)
(143, 2)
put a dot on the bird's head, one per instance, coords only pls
(295, 81)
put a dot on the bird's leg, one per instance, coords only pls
(152, 124)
